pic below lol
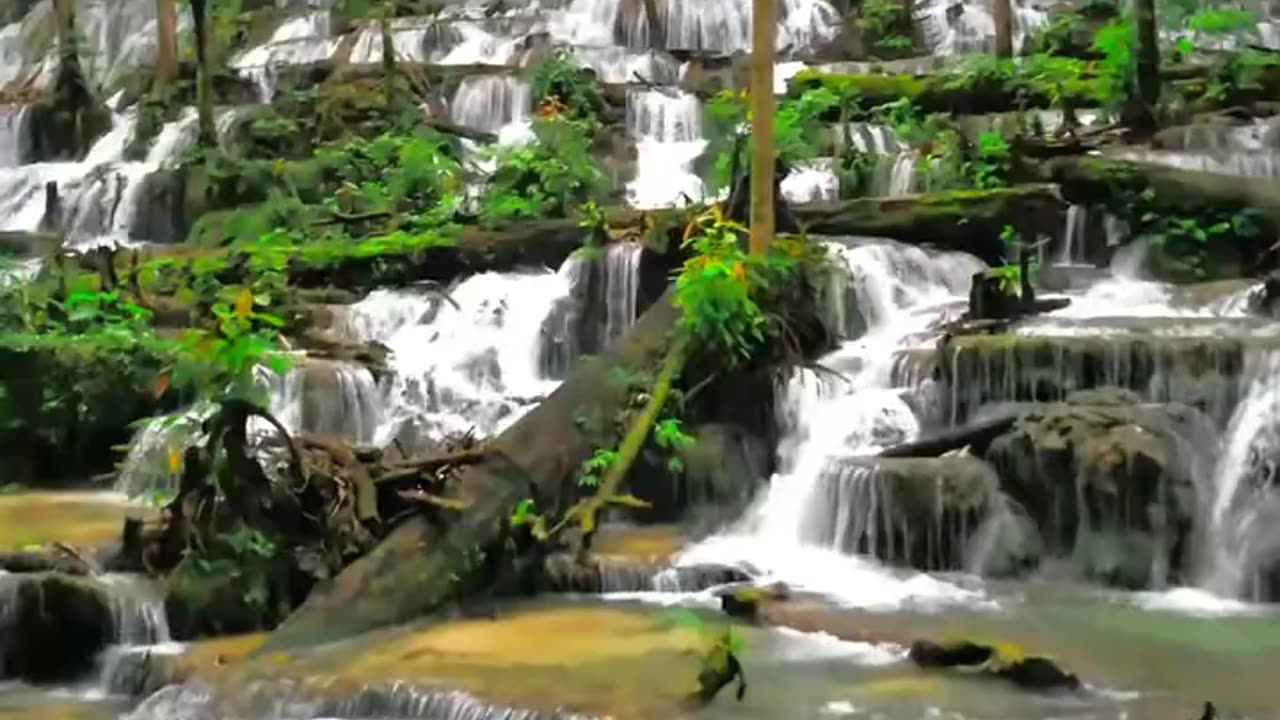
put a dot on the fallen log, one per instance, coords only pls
(976, 435)
(420, 566)
(969, 221)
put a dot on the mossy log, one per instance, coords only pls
(970, 221)
(421, 566)
(1094, 180)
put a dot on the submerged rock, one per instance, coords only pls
(52, 626)
(1030, 673)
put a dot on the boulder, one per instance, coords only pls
(1112, 484)
(52, 626)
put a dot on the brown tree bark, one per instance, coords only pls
(1003, 15)
(764, 17)
(1147, 57)
(166, 43)
(204, 82)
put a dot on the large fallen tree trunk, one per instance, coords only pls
(970, 221)
(1094, 180)
(421, 565)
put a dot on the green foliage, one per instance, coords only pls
(1059, 35)
(797, 127)
(1116, 78)
(594, 467)
(221, 364)
(566, 83)
(1217, 22)
(546, 178)
(992, 167)
(888, 24)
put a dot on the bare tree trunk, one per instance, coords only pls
(204, 83)
(166, 43)
(388, 53)
(1003, 15)
(1147, 56)
(764, 18)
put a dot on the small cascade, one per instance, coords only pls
(969, 27)
(900, 293)
(491, 102)
(469, 366)
(1237, 163)
(99, 196)
(714, 26)
(667, 127)
(149, 465)
(812, 181)
(1243, 519)
(499, 42)
(288, 699)
(13, 129)
(137, 608)
(331, 398)
(1072, 249)
(298, 42)
(602, 302)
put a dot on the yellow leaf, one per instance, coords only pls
(175, 460)
(244, 303)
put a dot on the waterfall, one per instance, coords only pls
(714, 26)
(667, 127)
(473, 366)
(812, 181)
(1074, 236)
(1243, 519)
(602, 302)
(13, 128)
(491, 102)
(331, 398)
(299, 42)
(900, 293)
(1237, 163)
(148, 466)
(969, 27)
(448, 41)
(100, 195)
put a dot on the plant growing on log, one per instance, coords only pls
(561, 81)
(546, 178)
(887, 23)
(992, 167)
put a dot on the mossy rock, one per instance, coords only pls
(230, 598)
(54, 628)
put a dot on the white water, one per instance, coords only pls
(475, 366)
(900, 292)
(667, 127)
(973, 29)
(12, 134)
(492, 102)
(99, 196)
(298, 42)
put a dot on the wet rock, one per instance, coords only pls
(1111, 484)
(602, 574)
(1030, 673)
(230, 598)
(920, 512)
(52, 626)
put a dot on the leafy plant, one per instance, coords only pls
(223, 363)
(1115, 71)
(560, 79)
(546, 178)
(993, 165)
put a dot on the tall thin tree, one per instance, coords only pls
(764, 19)
(204, 81)
(1003, 15)
(1147, 64)
(166, 43)
(388, 52)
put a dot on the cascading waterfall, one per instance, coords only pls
(491, 102)
(473, 366)
(1243, 519)
(13, 129)
(335, 399)
(299, 42)
(1073, 235)
(968, 27)
(1237, 163)
(100, 195)
(667, 127)
(900, 292)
